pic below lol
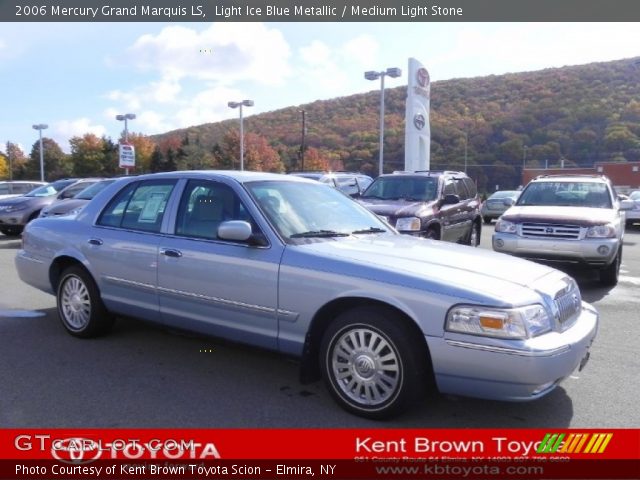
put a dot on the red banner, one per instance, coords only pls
(337, 454)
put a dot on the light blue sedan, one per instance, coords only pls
(287, 264)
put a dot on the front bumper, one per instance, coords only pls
(18, 218)
(596, 252)
(515, 370)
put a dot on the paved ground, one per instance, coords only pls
(142, 376)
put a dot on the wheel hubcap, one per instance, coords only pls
(75, 304)
(365, 366)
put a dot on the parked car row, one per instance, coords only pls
(288, 264)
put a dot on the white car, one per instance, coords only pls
(17, 188)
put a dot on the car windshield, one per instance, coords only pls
(302, 210)
(90, 192)
(566, 194)
(423, 189)
(44, 191)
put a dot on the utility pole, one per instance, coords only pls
(302, 147)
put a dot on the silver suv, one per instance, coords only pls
(571, 219)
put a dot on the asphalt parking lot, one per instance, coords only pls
(143, 376)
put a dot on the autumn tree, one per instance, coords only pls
(4, 167)
(16, 160)
(87, 155)
(258, 154)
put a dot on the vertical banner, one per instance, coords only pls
(417, 136)
(127, 155)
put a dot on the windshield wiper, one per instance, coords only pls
(377, 197)
(319, 233)
(369, 230)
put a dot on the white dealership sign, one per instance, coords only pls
(127, 156)
(417, 136)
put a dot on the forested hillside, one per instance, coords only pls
(577, 115)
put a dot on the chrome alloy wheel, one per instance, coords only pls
(75, 303)
(366, 367)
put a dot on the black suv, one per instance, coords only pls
(442, 205)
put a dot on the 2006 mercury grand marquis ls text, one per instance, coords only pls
(291, 265)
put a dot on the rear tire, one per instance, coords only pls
(487, 220)
(11, 231)
(80, 307)
(609, 275)
(372, 364)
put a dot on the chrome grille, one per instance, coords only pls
(551, 230)
(568, 307)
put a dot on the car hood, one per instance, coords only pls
(65, 206)
(397, 208)
(16, 200)
(441, 267)
(582, 216)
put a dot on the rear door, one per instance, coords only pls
(122, 247)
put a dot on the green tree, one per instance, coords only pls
(56, 162)
(87, 155)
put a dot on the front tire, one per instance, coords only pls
(609, 275)
(80, 307)
(372, 364)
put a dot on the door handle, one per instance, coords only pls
(170, 252)
(95, 241)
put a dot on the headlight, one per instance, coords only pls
(15, 208)
(506, 227)
(408, 223)
(523, 322)
(601, 231)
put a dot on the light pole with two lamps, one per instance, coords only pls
(246, 103)
(40, 127)
(371, 75)
(125, 117)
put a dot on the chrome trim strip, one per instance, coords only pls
(221, 301)
(287, 316)
(509, 351)
(128, 283)
(28, 257)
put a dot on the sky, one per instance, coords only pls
(76, 77)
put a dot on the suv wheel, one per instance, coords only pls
(432, 234)
(474, 235)
(11, 231)
(371, 363)
(609, 275)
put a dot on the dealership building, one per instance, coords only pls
(625, 176)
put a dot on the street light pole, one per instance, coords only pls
(246, 103)
(125, 117)
(372, 75)
(466, 140)
(304, 131)
(40, 127)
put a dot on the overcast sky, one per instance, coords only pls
(76, 77)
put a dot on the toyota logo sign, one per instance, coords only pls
(419, 121)
(422, 77)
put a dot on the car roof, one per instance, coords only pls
(571, 178)
(237, 175)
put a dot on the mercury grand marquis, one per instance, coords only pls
(288, 264)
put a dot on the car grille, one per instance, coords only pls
(551, 230)
(568, 307)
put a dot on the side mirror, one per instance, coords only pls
(507, 202)
(240, 231)
(627, 205)
(450, 199)
(235, 231)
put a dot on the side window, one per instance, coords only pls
(139, 206)
(204, 206)
(449, 188)
(471, 187)
(461, 189)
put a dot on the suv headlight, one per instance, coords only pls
(506, 227)
(517, 323)
(16, 208)
(602, 231)
(408, 223)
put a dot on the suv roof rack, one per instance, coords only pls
(556, 175)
